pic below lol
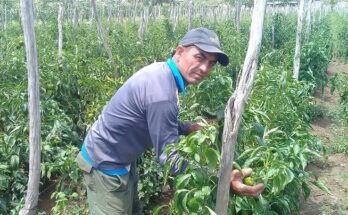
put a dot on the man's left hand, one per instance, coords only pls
(196, 127)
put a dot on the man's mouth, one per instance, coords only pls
(197, 75)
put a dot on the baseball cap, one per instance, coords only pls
(207, 41)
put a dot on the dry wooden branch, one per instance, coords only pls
(297, 55)
(103, 36)
(309, 19)
(236, 103)
(60, 32)
(190, 14)
(31, 199)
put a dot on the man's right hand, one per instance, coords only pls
(239, 188)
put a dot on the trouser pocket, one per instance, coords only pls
(82, 163)
(113, 183)
(116, 192)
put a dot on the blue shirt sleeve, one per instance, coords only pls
(183, 127)
(164, 129)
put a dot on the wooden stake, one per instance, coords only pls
(297, 56)
(60, 32)
(32, 194)
(190, 15)
(235, 106)
(238, 6)
(103, 36)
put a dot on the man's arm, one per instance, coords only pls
(164, 127)
(185, 128)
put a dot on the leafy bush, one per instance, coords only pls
(274, 140)
(316, 55)
(339, 34)
(340, 83)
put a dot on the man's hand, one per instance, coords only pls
(196, 127)
(241, 189)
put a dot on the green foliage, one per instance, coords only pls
(208, 97)
(340, 83)
(339, 34)
(196, 187)
(275, 142)
(273, 139)
(339, 145)
(282, 24)
(151, 184)
(315, 56)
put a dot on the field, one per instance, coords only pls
(332, 169)
(293, 132)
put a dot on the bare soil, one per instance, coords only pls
(45, 203)
(333, 171)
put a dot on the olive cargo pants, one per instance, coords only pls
(111, 194)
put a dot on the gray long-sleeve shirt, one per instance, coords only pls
(142, 114)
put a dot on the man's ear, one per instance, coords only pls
(179, 50)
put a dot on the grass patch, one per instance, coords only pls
(316, 111)
(345, 177)
(339, 145)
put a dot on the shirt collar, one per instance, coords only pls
(177, 76)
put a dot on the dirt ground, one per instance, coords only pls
(333, 171)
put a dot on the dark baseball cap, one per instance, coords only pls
(207, 41)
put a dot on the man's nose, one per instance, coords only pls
(205, 67)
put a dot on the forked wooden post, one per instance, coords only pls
(235, 106)
(31, 198)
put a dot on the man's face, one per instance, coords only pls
(194, 64)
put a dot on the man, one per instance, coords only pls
(141, 115)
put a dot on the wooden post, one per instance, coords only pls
(60, 32)
(147, 16)
(171, 12)
(309, 20)
(273, 27)
(287, 8)
(103, 36)
(75, 20)
(214, 14)
(109, 20)
(32, 195)
(5, 21)
(297, 56)
(228, 12)
(141, 30)
(177, 16)
(159, 11)
(81, 16)
(190, 15)
(238, 6)
(135, 11)
(320, 10)
(235, 106)
(92, 15)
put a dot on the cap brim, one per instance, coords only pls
(222, 57)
